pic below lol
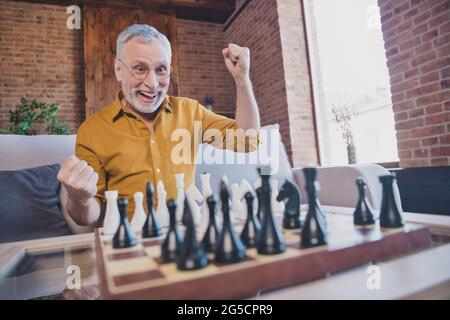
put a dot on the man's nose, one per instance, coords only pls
(151, 80)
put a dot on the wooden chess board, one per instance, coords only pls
(137, 273)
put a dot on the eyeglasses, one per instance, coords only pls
(140, 71)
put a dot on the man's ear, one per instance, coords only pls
(117, 70)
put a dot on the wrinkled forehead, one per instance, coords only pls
(142, 50)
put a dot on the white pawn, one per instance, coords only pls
(277, 206)
(112, 215)
(162, 212)
(206, 192)
(139, 216)
(236, 205)
(179, 177)
(193, 196)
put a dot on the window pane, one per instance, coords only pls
(352, 90)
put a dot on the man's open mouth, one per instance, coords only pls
(147, 96)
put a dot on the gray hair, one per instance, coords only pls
(144, 32)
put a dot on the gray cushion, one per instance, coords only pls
(29, 204)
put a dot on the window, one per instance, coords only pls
(350, 81)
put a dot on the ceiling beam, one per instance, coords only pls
(216, 11)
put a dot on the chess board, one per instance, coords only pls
(137, 272)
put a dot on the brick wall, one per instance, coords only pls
(202, 70)
(40, 59)
(417, 42)
(298, 83)
(281, 84)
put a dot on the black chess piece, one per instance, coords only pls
(259, 197)
(390, 213)
(212, 233)
(124, 236)
(151, 228)
(362, 216)
(170, 248)
(229, 247)
(291, 215)
(252, 227)
(271, 239)
(192, 255)
(314, 232)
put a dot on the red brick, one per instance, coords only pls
(444, 139)
(427, 131)
(429, 141)
(416, 113)
(408, 144)
(435, 108)
(409, 124)
(410, 163)
(435, 162)
(405, 105)
(430, 55)
(400, 116)
(430, 77)
(402, 135)
(405, 154)
(437, 118)
(440, 151)
(444, 17)
(420, 153)
(429, 35)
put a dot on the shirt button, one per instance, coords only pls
(152, 141)
(157, 170)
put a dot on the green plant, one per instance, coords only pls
(32, 118)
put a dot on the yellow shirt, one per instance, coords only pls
(126, 154)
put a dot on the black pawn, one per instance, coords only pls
(124, 236)
(390, 213)
(229, 248)
(270, 240)
(314, 232)
(291, 215)
(362, 216)
(151, 228)
(212, 234)
(192, 255)
(252, 227)
(173, 241)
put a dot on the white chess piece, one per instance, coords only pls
(112, 215)
(179, 177)
(277, 206)
(236, 205)
(162, 212)
(243, 189)
(206, 192)
(193, 196)
(139, 216)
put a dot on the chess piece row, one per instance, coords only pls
(390, 212)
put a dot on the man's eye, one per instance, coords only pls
(161, 69)
(140, 69)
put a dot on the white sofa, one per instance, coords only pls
(337, 183)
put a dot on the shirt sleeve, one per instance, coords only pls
(84, 151)
(224, 133)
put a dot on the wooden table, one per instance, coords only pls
(50, 258)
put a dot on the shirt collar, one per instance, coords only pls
(120, 109)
